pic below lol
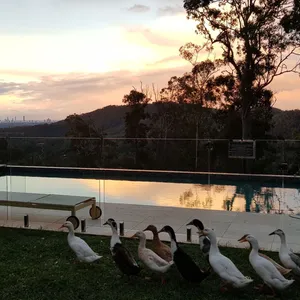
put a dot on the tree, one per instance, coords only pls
(255, 48)
(4, 150)
(192, 91)
(88, 152)
(136, 128)
(291, 21)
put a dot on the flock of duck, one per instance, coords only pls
(162, 257)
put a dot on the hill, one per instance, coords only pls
(110, 119)
(286, 124)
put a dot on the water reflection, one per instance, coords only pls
(238, 197)
(201, 196)
(241, 197)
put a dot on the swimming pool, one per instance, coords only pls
(236, 196)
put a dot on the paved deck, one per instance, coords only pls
(229, 226)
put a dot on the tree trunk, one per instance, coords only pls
(136, 152)
(246, 128)
(246, 132)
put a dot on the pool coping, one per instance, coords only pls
(229, 226)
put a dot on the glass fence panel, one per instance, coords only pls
(291, 165)
(47, 202)
(37, 151)
(271, 156)
(122, 153)
(179, 155)
(149, 154)
(4, 195)
(84, 153)
(3, 150)
(61, 152)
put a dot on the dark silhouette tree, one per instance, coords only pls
(86, 141)
(136, 128)
(4, 150)
(192, 91)
(255, 48)
(291, 21)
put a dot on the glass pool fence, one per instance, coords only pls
(194, 155)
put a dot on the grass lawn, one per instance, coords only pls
(38, 264)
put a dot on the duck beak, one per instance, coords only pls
(242, 240)
(272, 233)
(105, 223)
(189, 224)
(62, 226)
(160, 231)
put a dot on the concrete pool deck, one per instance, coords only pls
(229, 226)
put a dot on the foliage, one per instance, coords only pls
(86, 152)
(195, 87)
(254, 46)
(135, 124)
(39, 265)
(3, 150)
(291, 21)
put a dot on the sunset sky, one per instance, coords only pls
(72, 56)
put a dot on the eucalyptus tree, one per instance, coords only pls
(256, 45)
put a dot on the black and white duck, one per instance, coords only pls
(184, 263)
(122, 257)
(203, 240)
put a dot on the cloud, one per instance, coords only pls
(170, 10)
(139, 8)
(169, 59)
(155, 38)
(57, 96)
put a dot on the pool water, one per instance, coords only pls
(239, 197)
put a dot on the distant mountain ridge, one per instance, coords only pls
(110, 119)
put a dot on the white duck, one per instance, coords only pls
(222, 265)
(289, 259)
(205, 245)
(264, 268)
(149, 258)
(82, 250)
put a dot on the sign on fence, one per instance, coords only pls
(241, 149)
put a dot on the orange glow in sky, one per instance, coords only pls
(64, 57)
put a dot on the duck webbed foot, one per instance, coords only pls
(259, 287)
(270, 292)
(225, 287)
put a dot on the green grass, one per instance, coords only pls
(38, 264)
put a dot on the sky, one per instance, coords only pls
(60, 57)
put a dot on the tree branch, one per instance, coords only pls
(281, 65)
